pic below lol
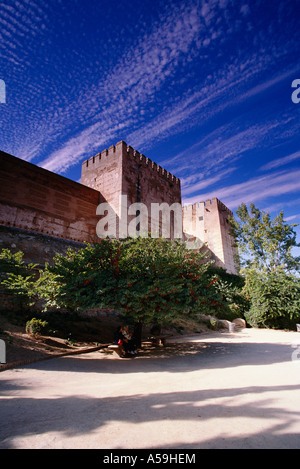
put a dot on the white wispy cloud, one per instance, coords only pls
(278, 206)
(188, 188)
(281, 161)
(74, 127)
(133, 81)
(138, 76)
(222, 149)
(218, 95)
(293, 217)
(255, 189)
(263, 87)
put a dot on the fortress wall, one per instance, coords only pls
(212, 230)
(155, 183)
(217, 230)
(229, 252)
(39, 201)
(37, 247)
(193, 220)
(117, 170)
(145, 181)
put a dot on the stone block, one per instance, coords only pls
(239, 323)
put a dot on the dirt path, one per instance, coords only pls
(219, 390)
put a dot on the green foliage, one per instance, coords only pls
(16, 276)
(145, 279)
(235, 281)
(237, 303)
(11, 262)
(22, 280)
(274, 299)
(271, 285)
(265, 243)
(36, 326)
(230, 288)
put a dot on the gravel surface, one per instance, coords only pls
(214, 390)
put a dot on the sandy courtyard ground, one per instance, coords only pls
(214, 390)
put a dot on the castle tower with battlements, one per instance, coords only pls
(123, 171)
(209, 222)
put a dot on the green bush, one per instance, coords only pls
(275, 299)
(36, 326)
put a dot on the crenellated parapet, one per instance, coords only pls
(223, 208)
(192, 207)
(213, 203)
(94, 161)
(128, 152)
(148, 163)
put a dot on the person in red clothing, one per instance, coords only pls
(124, 337)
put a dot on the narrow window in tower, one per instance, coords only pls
(138, 190)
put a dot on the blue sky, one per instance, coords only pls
(201, 87)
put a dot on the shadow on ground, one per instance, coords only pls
(75, 416)
(172, 358)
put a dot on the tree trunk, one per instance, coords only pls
(137, 334)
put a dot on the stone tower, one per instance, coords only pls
(208, 222)
(123, 171)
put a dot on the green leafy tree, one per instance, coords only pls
(274, 298)
(230, 287)
(270, 268)
(265, 243)
(16, 277)
(146, 280)
(23, 281)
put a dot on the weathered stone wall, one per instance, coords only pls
(146, 182)
(37, 248)
(37, 200)
(229, 252)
